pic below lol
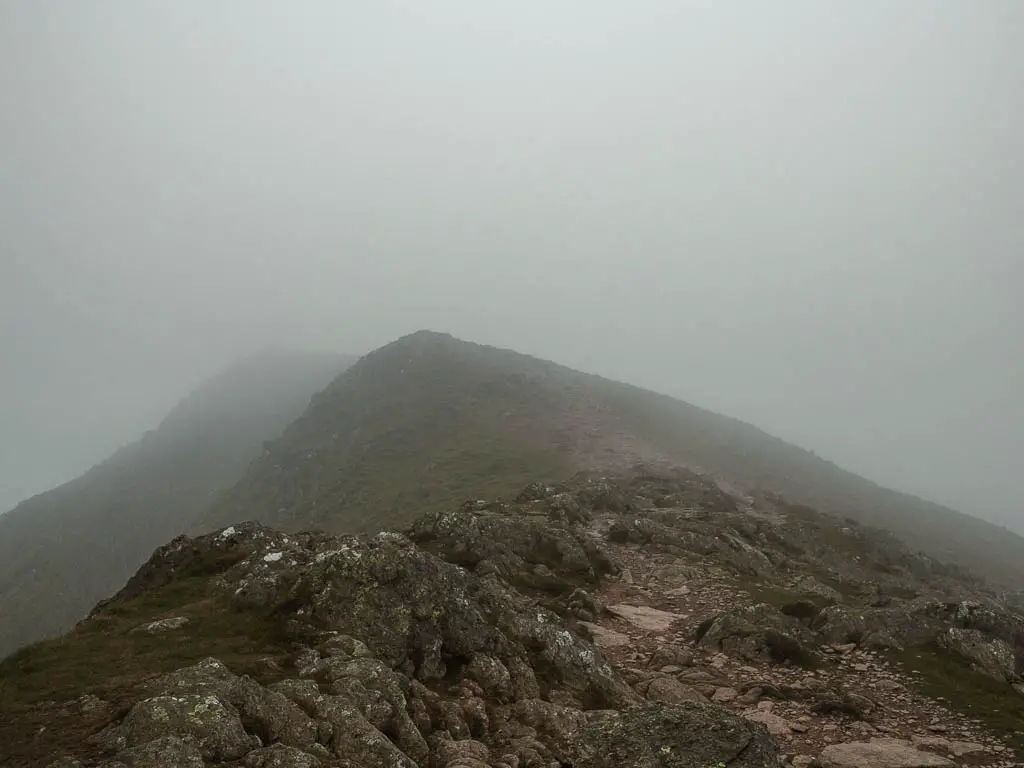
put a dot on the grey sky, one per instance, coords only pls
(807, 215)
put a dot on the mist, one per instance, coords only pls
(804, 215)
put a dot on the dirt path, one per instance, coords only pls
(683, 591)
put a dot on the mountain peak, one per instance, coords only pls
(426, 336)
(430, 420)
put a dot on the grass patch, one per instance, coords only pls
(405, 473)
(103, 655)
(971, 693)
(780, 597)
(829, 531)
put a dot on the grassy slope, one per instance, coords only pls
(64, 550)
(104, 657)
(430, 421)
(975, 695)
(752, 458)
(418, 425)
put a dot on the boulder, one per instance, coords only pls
(522, 550)
(988, 655)
(777, 726)
(280, 756)
(759, 633)
(271, 715)
(670, 656)
(674, 736)
(163, 625)
(809, 585)
(555, 726)
(213, 726)
(583, 605)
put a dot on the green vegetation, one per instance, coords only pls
(104, 655)
(410, 429)
(422, 424)
(973, 694)
(752, 458)
(828, 531)
(430, 421)
(471, 463)
(779, 597)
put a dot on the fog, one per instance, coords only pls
(806, 215)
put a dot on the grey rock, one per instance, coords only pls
(989, 655)
(280, 756)
(512, 546)
(459, 754)
(777, 726)
(212, 725)
(163, 625)
(759, 633)
(670, 655)
(337, 644)
(556, 726)
(271, 715)
(355, 739)
(675, 736)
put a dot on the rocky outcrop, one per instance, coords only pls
(375, 717)
(203, 720)
(532, 552)
(988, 655)
(530, 634)
(985, 637)
(403, 652)
(674, 736)
(760, 632)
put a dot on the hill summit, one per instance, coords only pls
(429, 421)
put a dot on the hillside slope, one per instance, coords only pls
(429, 421)
(634, 620)
(63, 550)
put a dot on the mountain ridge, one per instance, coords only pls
(63, 550)
(365, 452)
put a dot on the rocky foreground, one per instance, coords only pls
(639, 621)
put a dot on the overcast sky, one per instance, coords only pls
(808, 215)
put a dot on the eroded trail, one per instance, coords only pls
(655, 609)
